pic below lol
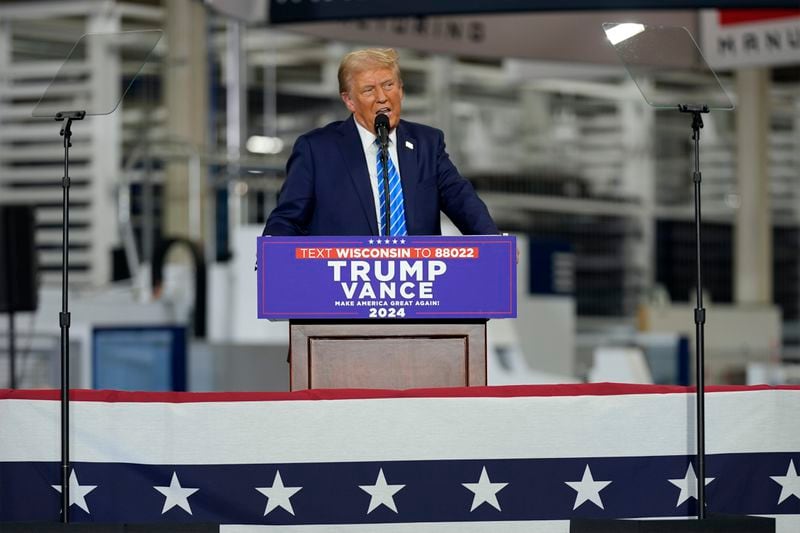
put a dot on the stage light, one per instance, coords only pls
(259, 144)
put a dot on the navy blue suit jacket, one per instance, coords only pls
(328, 192)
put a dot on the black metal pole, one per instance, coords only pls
(385, 162)
(699, 321)
(12, 370)
(63, 320)
(64, 316)
(699, 313)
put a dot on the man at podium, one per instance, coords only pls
(335, 175)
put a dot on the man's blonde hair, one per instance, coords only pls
(369, 58)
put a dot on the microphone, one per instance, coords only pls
(382, 129)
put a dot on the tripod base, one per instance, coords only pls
(715, 524)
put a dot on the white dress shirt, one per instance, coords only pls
(371, 154)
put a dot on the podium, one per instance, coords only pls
(366, 312)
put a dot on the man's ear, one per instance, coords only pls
(348, 102)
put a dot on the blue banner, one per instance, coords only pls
(387, 278)
(281, 11)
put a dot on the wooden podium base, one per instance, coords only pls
(386, 354)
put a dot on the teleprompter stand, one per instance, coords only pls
(647, 52)
(64, 315)
(138, 45)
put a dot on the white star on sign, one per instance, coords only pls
(588, 489)
(380, 493)
(378, 241)
(176, 495)
(484, 491)
(77, 492)
(688, 485)
(278, 495)
(790, 483)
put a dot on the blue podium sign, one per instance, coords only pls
(414, 277)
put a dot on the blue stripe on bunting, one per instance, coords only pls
(433, 490)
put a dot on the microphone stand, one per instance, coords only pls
(384, 152)
(699, 312)
(64, 316)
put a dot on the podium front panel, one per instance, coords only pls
(387, 355)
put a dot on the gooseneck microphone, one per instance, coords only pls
(382, 131)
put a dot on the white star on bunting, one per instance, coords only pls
(790, 483)
(588, 489)
(278, 495)
(484, 491)
(688, 485)
(380, 493)
(176, 495)
(77, 492)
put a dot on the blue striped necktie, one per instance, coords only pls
(397, 213)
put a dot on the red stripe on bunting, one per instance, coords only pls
(586, 389)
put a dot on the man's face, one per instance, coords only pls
(374, 91)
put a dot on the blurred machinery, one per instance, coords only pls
(567, 157)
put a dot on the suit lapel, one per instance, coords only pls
(409, 171)
(350, 146)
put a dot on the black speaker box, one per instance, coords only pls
(18, 265)
(712, 524)
(57, 527)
